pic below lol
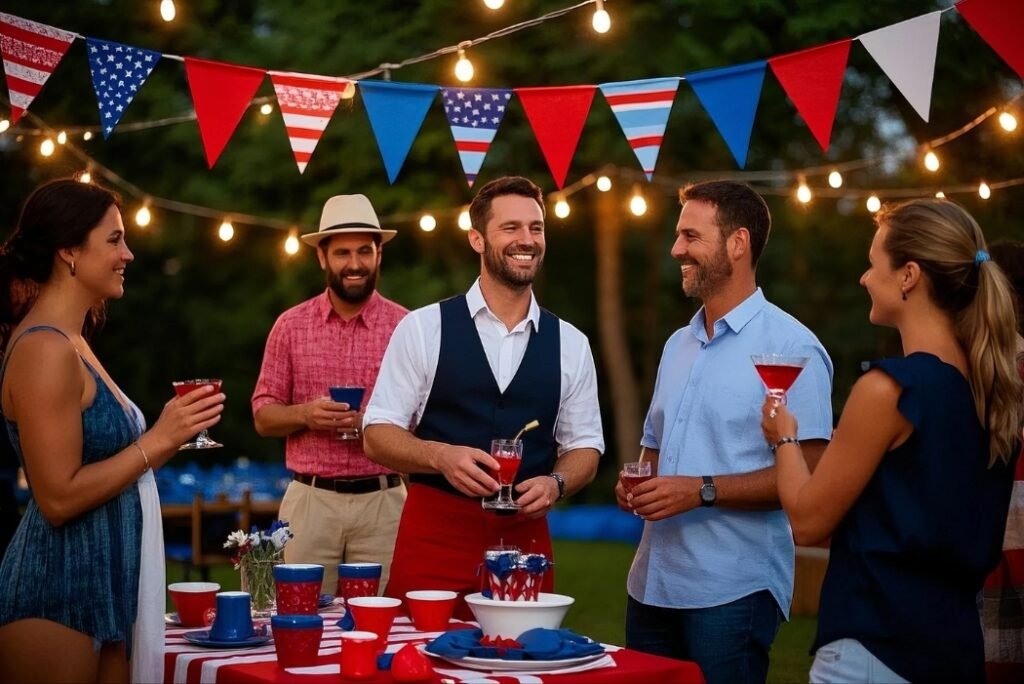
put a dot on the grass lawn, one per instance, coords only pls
(595, 573)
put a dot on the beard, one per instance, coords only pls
(708, 278)
(512, 277)
(352, 293)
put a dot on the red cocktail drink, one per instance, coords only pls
(183, 387)
(778, 373)
(509, 454)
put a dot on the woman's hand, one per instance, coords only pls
(776, 421)
(182, 418)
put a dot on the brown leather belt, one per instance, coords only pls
(357, 485)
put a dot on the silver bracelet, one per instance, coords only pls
(785, 440)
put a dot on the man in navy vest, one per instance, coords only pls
(477, 367)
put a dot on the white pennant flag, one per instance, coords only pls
(906, 53)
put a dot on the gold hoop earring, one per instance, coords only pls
(72, 269)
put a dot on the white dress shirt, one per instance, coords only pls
(410, 362)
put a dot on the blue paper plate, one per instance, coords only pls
(202, 638)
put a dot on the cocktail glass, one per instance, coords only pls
(183, 387)
(633, 474)
(778, 373)
(509, 455)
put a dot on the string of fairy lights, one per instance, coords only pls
(783, 182)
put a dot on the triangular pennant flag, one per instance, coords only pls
(118, 71)
(642, 109)
(307, 102)
(730, 96)
(396, 112)
(906, 53)
(557, 116)
(474, 115)
(31, 51)
(813, 79)
(221, 93)
(999, 23)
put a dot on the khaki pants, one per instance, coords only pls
(332, 528)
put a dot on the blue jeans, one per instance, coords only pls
(730, 642)
(846, 660)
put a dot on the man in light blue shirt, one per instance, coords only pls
(713, 575)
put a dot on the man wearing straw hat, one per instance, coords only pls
(477, 367)
(342, 507)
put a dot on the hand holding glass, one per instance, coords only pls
(778, 373)
(353, 396)
(633, 474)
(509, 455)
(183, 387)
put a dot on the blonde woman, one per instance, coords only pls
(915, 485)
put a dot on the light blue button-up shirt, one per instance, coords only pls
(705, 418)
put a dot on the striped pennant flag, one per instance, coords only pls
(642, 109)
(31, 51)
(474, 115)
(307, 102)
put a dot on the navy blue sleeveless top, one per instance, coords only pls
(912, 553)
(85, 573)
(466, 407)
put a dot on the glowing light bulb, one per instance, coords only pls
(226, 231)
(604, 183)
(266, 108)
(638, 205)
(835, 179)
(601, 21)
(562, 209)
(85, 177)
(427, 223)
(62, 138)
(984, 191)
(167, 10)
(494, 4)
(1008, 121)
(803, 193)
(46, 147)
(143, 216)
(87, 135)
(940, 195)
(291, 245)
(4, 125)
(874, 204)
(931, 161)
(464, 222)
(463, 67)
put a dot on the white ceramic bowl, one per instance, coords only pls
(509, 619)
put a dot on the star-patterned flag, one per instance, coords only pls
(118, 71)
(31, 51)
(474, 115)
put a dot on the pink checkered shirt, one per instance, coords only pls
(311, 348)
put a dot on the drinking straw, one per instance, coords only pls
(529, 426)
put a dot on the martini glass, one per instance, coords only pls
(509, 455)
(778, 373)
(183, 387)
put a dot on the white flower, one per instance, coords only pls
(254, 539)
(236, 538)
(280, 537)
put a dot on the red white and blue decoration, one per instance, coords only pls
(642, 109)
(557, 116)
(396, 112)
(307, 103)
(118, 71)
(730, 96)
(474, 115)
(31, 51)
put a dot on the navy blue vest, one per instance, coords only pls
(466, 407)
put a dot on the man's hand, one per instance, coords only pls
(537, 495)
(622, 497)
(663, 497)
(460, 465)
(324, 414)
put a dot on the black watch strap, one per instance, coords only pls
(708, 492)
(557, 477)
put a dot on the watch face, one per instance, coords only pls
(708, 493)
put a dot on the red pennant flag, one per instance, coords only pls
(307, 102)
(221, 93)
(813, 78)
(31, 51)
(998, 22)
(557, 116)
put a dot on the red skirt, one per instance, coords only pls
(441, 542)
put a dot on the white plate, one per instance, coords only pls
(502, 665)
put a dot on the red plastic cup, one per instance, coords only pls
(297, 639)
(358, 655)
(375, 614)
(358, 579)
(431, 610)
(297, 588)
(192, 600)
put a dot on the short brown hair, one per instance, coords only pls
(480, 207)
(736, 206)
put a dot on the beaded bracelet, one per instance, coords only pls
(785, 440)
(144, 457)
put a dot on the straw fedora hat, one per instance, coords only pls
(348, 214)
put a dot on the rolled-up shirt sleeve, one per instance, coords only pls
(403, 382)
(579, 416)
(274, 385)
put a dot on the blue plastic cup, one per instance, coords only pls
(353, 396)
(234, 617)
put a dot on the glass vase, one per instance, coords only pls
(258, 581)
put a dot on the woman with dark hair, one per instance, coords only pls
(915, 485)
(81, 585)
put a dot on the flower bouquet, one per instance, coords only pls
(256, 554)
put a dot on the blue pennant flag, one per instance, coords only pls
(474, 115)
(396, 112)
(730, 96)
(118, 71)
